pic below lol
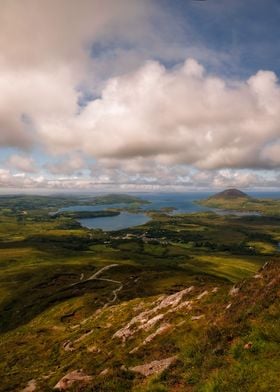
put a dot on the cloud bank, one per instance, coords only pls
(181, 116)
(85, 92)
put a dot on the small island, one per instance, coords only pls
(118, 198)
(236, 200)
(34, 203)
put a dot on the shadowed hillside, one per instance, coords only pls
(230, 194)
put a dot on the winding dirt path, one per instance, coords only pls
(99, 272)
(96, 275)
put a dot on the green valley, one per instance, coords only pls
(182, 303)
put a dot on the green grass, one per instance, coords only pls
(42, 257)
(269, 207)
(231, 268)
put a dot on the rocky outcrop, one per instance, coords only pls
(200, 296)
(194, 318)
(155, 367)
(30, 387)
(233, 291)
(160, 331)
(148, 318)
(74, 377)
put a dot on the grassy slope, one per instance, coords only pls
(42, 257)
(269, 207)
(212, 355)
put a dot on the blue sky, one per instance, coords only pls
(128, 95)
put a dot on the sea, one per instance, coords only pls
(180, 203)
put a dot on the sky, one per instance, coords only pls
(129, 95)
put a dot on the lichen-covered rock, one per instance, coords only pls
(76, 376)
(233, 291)
(30, 387)
(148, 318)
(202, 295)
(154, 367)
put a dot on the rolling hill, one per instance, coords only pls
(236, 200)
(230, 194)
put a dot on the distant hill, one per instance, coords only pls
(118, 198)
(230, 194)
(229, 199)
(236, 200)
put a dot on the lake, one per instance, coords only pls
(181, 202)
(119, 222)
